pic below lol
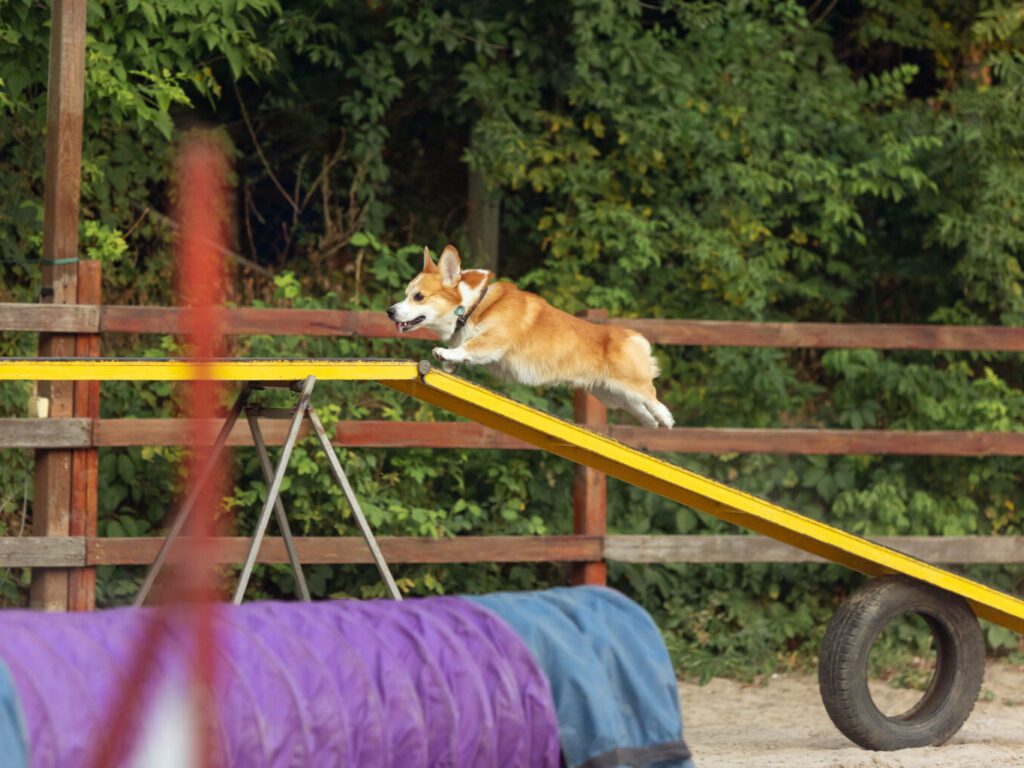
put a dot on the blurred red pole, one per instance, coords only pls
(190, 593)
(203, 217)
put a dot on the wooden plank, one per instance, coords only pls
(64, 552)
(405, 434)
(715, 440)
(49, 318)
(589, 486)
(716, 333)
(379, 434)
(758, 549)
(85, 462)
(409, 434)
(723, 333)
(120, 433)
(61, 186)
(719, 440)
(42, 551)
(352, 549)
(45, 433)
(257, 320)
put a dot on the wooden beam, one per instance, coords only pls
(719, 440)
(710, 333)
(720, 333)
(42, 552)
(723, 333)
(406, 434)
(64, 114)
(111, 433)
(758, 549)
(85, 461)
(714, 440)
(49, 318)
(590, 486)
(45, 433)
(352, 549)
(119, 433)
(67, 552)
(256, 320)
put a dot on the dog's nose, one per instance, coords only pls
(391, 312)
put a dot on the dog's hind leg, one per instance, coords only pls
(643, 414)
(610, 398)
(626, 399)
(643, 404)
(662, 414)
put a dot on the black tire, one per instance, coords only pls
(954, 687)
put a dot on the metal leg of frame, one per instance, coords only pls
(275, 489)
(186, 508)
(364, 526)
(251, 415)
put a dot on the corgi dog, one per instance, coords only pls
(518, 336)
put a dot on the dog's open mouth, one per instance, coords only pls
(402, 327)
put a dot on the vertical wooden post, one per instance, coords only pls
(85, 461)
(51, 509)
(589, 492)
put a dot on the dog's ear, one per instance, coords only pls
(428, 263)
(451, 266)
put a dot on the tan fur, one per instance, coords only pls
(521, 337)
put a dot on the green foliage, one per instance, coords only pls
(739, 160)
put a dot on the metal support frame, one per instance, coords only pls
(274, 476)
(357, 511)
(273, 494)
(252, 416)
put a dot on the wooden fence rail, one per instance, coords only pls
(327, 322)
(81, 551)
(588, 548)
(372, 433)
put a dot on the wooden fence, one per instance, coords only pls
(66, 542)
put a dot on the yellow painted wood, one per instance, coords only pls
(559, 437)
(136, 369)
(586, 447)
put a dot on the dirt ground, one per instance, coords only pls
(733, 725)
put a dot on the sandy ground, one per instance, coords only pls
(732, 725)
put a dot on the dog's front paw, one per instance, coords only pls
(450, 358)
(447, 365)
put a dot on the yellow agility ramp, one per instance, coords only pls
(557, 436)
(583, 446)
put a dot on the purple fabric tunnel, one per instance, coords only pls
(431, 682)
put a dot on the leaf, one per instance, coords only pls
(234, 58)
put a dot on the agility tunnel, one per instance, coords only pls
(511, 679)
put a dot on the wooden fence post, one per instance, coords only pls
(589, 492)
(85, 462)
(51, 508)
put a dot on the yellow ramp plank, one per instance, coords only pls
(600, 452)
(149, 369)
